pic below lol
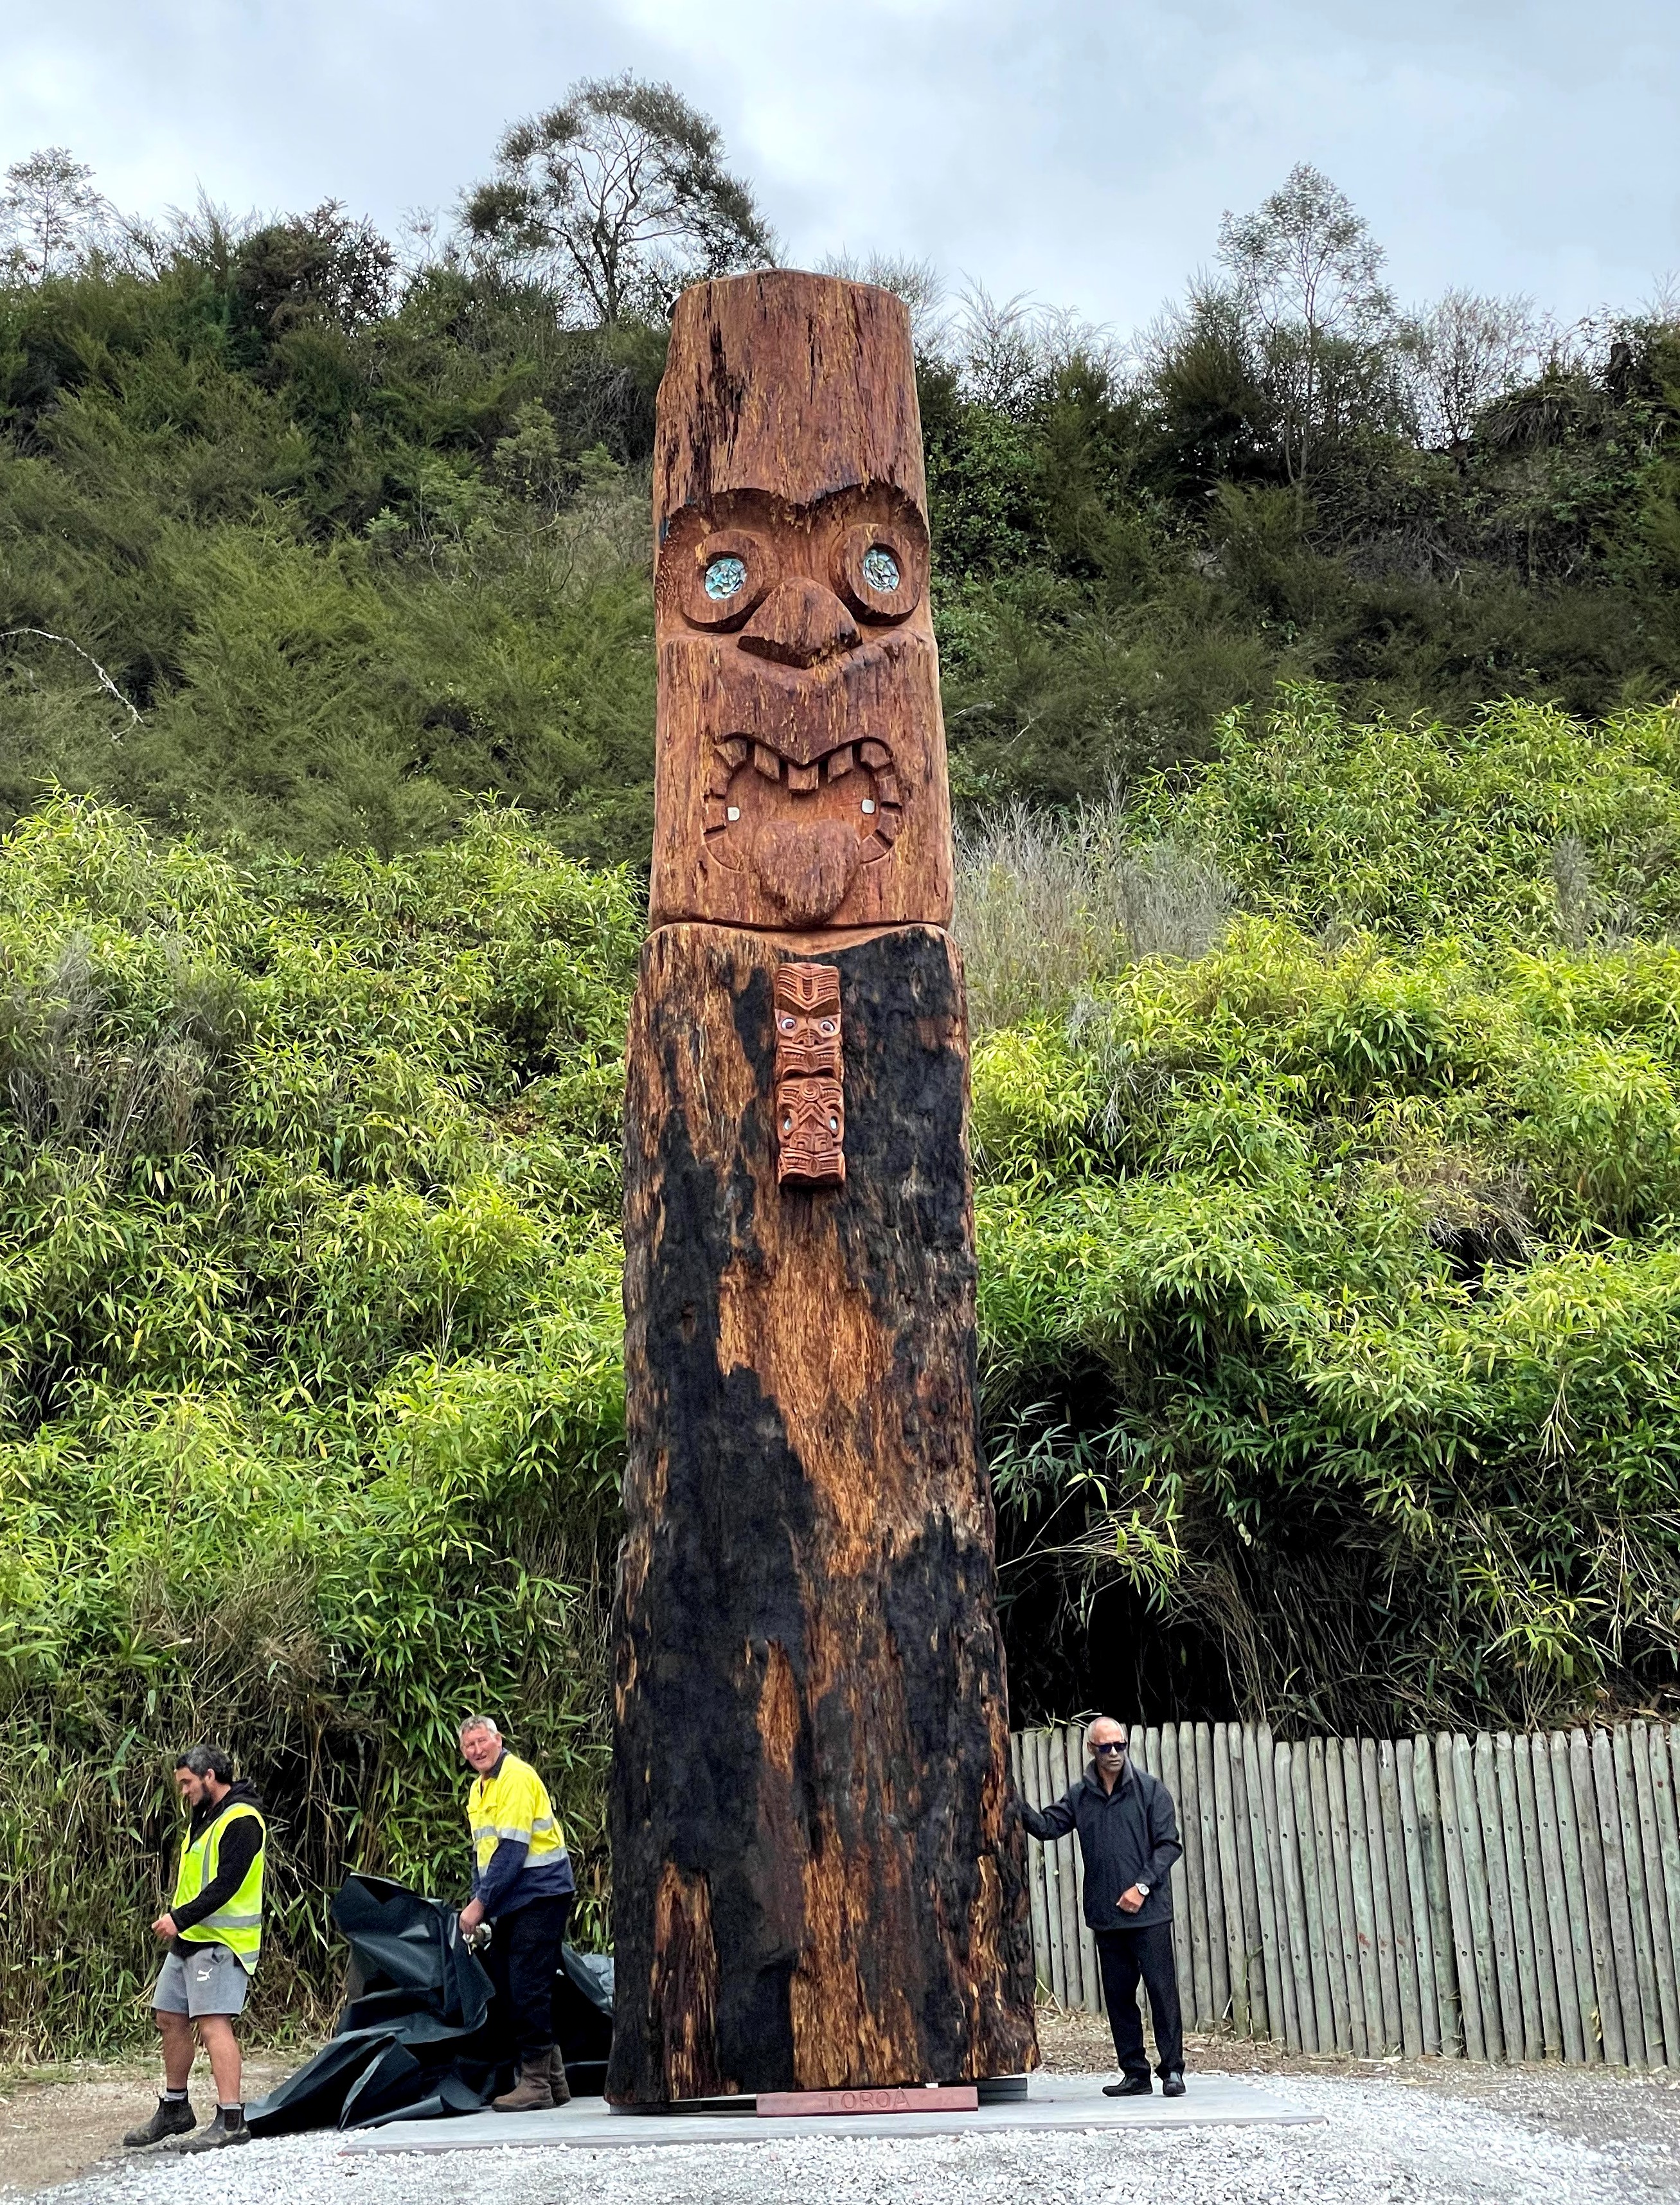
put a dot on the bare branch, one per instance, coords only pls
(106, 681)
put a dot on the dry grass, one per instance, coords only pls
(1048, 907)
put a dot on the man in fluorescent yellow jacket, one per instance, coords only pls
(523, 1886)
(214, 1931)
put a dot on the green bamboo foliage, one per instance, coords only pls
(310, 1338)
(1329, 1294)
(1330, 1285)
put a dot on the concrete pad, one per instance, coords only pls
(1054, 2101)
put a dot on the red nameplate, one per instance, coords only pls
(946, 2098)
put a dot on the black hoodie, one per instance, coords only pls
(240, 1846)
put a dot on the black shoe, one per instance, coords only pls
(173, 2118)
(221, 2130)
(1172, 2086)
(1130, 2086)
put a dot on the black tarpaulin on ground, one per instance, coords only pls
(419, 2037)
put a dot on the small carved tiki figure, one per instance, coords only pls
(800, 780)
(810, 1100)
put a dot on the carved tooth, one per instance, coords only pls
(766, 761)
(735, 749)
(840, 763)
(717, 781)
(887, 787)
(802, 779)
(875, 754)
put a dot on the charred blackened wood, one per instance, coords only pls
(815, 1882)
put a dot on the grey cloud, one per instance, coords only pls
(1082, 150)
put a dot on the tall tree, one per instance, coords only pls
(49, 213)
(620, 194)
(1308, 274)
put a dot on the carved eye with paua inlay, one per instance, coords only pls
(725, 578)
(878, 569)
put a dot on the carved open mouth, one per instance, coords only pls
(805, 831)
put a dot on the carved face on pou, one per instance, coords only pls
(793, 634)
(800, 775)
(807, 1011)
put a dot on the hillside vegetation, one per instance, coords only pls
(1328, 1164)
(1305, 670)
(310, 1330)
(1329, 1277)
(360, 548)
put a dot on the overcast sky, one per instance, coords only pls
(1079, 150)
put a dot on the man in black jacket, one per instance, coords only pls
(1129, 1839)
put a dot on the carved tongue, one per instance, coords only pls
(806, 868)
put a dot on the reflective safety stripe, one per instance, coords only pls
(513, 1806)
(239, 1924)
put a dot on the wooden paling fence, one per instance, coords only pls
(1486, 1897)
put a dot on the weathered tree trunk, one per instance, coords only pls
(812, 1747)
(816, 1882)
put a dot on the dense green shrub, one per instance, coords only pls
(364, 549)
(354, 568)
(1327, 1280)
(309, 1329)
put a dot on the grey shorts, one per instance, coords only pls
(211, 1982)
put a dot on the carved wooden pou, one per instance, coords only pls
(815, 1883)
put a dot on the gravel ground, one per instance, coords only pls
(1571, 2139)
(57, 2121)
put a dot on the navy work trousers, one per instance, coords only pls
(523, 1959)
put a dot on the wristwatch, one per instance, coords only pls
(1144, 1887)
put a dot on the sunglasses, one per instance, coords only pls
(1117, 1748)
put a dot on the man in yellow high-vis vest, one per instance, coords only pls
(214, 1930)
(523, 1886)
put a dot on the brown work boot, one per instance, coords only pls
(557, 2082)
(531, 2093)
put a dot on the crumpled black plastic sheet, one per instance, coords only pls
(419, 2038)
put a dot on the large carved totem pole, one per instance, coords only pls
(815, 1884)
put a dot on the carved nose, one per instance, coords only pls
(798, 624)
